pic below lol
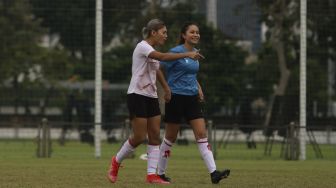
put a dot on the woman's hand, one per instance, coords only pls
(200, 94)
(167, 94)
(195, 55)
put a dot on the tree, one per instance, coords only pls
(20, 34)
(74, 22)
(282, 19)
(24, 63)
(117, 63)
(321, 51)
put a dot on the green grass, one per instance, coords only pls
(75, 166)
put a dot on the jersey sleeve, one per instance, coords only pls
(146, 49)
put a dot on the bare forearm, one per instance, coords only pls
(199, 86)
(172, 56)
(161, 79)
(168, 56)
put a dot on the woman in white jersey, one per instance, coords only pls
(142, 99)
(184, 105)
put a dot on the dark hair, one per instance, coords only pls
(184, 29)
(152, 25)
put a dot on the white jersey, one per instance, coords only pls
(144, 69)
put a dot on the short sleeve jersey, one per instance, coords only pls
(143, 71)
(182, 73)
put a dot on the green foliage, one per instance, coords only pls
(19, 36)
(74, 21)
(117, 64)
(25, 65)
(21, 52)
(222, 72)
(320, 47)
(322, 19)
(57, 65)
(317, 84)
(321, 41)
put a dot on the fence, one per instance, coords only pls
(250, 75)
(227, 141)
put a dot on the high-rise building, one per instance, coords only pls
(238, 19)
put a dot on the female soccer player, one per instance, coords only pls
(185, 104)
(142, 99)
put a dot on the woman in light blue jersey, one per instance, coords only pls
(185, 104)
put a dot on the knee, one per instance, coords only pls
(171, 138)
(154, 140)
(171, 135)
(200, 136)
(137, 140)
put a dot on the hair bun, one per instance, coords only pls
(152, 25)
(145, 32)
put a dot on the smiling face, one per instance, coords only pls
(160, 36)
(192, 35)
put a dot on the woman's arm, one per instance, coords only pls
(200, 92)
(174, 56)
(163, 82)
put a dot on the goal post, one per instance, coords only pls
(98, 78)
(303, 77)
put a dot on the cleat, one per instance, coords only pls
(155, 179)
(216, 176)
(113, 171)
(165, 178)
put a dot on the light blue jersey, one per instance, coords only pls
(181, 74)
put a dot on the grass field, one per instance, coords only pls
(74, 166)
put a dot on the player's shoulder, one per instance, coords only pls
(142, 44)
(143, 47)
(177, 49)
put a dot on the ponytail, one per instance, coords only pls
(145, 32)
(152, 25)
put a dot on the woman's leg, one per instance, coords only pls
(153, 149)
(139, 128)
(198, 126)
(153, 130)
(169, 139)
